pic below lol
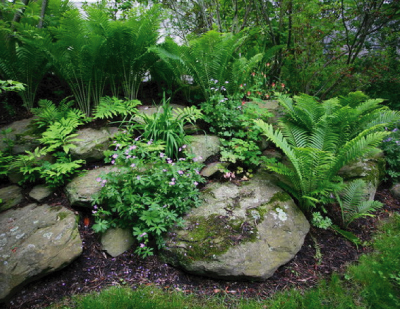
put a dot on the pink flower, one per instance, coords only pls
(283, 85)
(180, 172)
(133, 165)
(195, 183)
(162, 155)
(142, 245)
(98, 179)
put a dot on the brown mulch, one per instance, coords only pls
(95, 270)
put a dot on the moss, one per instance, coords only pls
(279, 197)
(55, 208)
(62, 215)
(212, 236)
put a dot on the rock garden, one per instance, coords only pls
(193, 167)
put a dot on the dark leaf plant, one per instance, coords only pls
(22, 58)
(319, 138)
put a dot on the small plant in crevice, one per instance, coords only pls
(391, 149)
(231, 119)
(147, 193)
(167, 125)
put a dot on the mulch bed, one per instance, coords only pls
(95, 270)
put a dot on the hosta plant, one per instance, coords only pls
(148, 192)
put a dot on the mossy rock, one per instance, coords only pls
(239, 232)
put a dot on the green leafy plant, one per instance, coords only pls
(60, 135)
(110, 107)
(148, 192)
(167, 125)
(58, 173)
(38, 165)
(10, 85)
(390, 147)
(5, 161)
(232, 120)
(320, 138)
(22, 58)
(353, 204)
(48, 113)
(212, 56)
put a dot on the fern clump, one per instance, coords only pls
(319, 138)
(48, 113)
(110, 107)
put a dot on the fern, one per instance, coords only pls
(111, 107)
(59, 135)
(48, 113)
(353, 204)
(213, 56)
(320, 138)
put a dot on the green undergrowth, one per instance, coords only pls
(373, 282)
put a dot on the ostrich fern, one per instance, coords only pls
(320, 138)
(213, 56)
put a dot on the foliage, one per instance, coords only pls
(147, 193)
(48, 113)
(22, 59)
(353, 204)
(37, 165)
(111, 107)
(213, 56)
(320, 138)
(59, 135)
(232, 120)
(11, 85)
(390, 147)
(167, 125)
(5, 161)
(59, 173)
(378, 273)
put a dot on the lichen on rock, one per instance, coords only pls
(239, 232)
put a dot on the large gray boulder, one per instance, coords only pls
(92, 143)
(203, 146)
(21, 138)
(239, 232)
(10, 196)
(35, 241)
(81, 189)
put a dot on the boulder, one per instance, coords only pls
(81, 189)
(40, 192)
(212, 168)
(35, 241)
(203, 146)
(239, 232)
(20, 137)
(11, 196)
(117, 241)
(151, 110)
(395, 190)
(92, 143)
(371, 170)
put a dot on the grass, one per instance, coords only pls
(374, 282)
